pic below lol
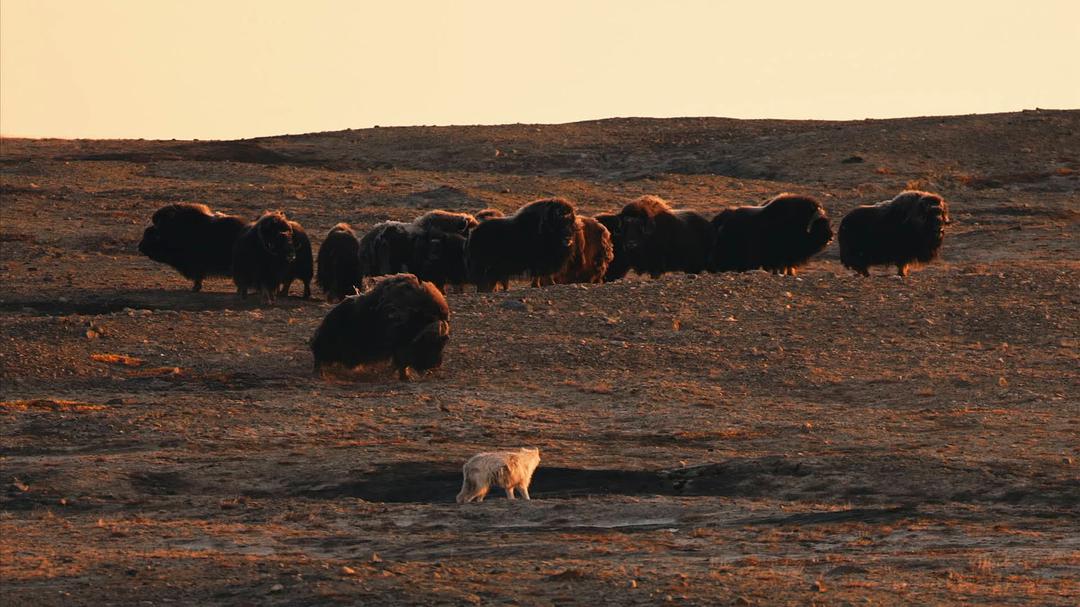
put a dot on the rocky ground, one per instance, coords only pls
(718, 439)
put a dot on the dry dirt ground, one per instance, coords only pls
(718, 439)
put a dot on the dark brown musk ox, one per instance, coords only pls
(401, 319)
(482, 216)
(658, 239)
(339, 263)
(778, 236)
(191, 238)
(619, 266)
(909, 229)
(534, 242)
(302, 267)
(264, 255)
(591, 253)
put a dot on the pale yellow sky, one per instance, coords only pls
(230, 68)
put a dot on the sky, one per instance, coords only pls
(216, 69)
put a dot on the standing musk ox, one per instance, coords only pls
(903, 231)
(269, 255)
(535, 241)
(778, 236)
(400, 319)
(591, 253)
(302, 267)
(481, 217)
(507, 469)
(619, 266)
(195, 241)
(658, 239)
(432, 247)
(339, 263)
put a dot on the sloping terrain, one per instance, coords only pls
(714, 439)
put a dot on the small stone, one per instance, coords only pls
(513, 304)
(348, 570)
(818, 586)
(633, 583)
(277, 588)
(375, 557)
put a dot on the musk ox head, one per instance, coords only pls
(154, 245)
(639, 219)
(925, 211)
(275, 234)
(425, 351)
(557, 221)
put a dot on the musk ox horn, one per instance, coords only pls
(444, 328)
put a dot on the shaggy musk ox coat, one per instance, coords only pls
(779, 236)
(619, 266)
(265, 256)
(487, 214)
(302, 267)
(446, 221)
(195, 241)
(535, 241)
(905, 230)
(591, 253)
(339, 263)
(400, 319)
(658, 239)
(430, 252)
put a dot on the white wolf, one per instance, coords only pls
(507, 469)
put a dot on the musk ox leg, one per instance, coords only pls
(525, 493)
(504, 285)
(284, 291)
(864, 271)
(902, 269)
(197, 286)
(510, 492)
(307, 289)
(242, 291)
(403, 373)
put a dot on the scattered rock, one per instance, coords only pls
(515, 305)
(853, 160)
(277, 588)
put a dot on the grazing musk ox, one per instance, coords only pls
(195, 241)
(658, 239)
(592, 252)
(903, 231)
(263, 256)
(535, 241)
(400, 319)
(779, 236)
(339, 263)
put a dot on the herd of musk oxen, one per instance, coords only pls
(403, 318)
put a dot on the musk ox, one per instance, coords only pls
(400, 319)
(195, 241)
(446, 221)
(779, 236)
(658, 239)
(302, 267)
(387, 248)
(339, 263)
(432, 254)
(483, 216)
(906, 230)
(439, 258)
(535, 241)
(592, 252)
(264, 254)
(619, 266)
(507, 469)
